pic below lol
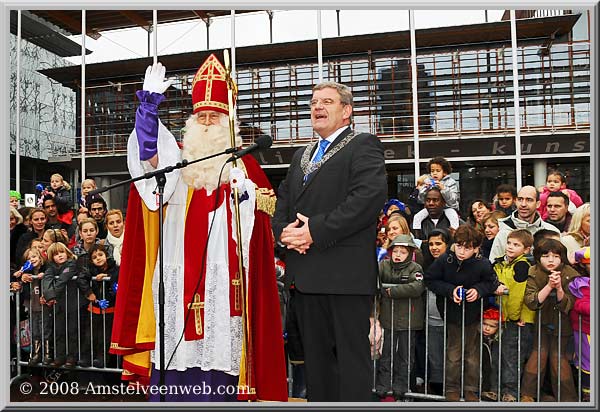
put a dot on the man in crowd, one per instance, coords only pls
(525, 217)
(222, 327)
(49, 206)
(326, 216)
(557, 205)
(97, 210)
(436, 218)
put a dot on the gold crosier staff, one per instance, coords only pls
(246, 359)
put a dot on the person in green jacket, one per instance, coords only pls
(401, 314)
(517, 336)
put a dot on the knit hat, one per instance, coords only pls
(394, 202)
(491, 313)
(403, 240)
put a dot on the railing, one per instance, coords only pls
(397, 374)
(433, 347)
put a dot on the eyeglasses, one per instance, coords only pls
(324, 102)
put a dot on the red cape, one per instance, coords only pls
(268, 371)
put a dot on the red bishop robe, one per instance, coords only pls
(134, 327)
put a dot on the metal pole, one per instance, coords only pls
(319, 46)
(161, 180)
(392, 348)
(18, 109)
(233, 72)
(83, 174)
(270, 14)
(155, 35)
(517, 112)
(337, 12)
(413, 66)
(462, 351)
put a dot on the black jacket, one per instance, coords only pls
(447, 272)
(57, 280)
(342, 199)
(88, 285)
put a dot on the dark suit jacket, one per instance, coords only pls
(342, 199)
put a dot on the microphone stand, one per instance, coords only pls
(161, 180)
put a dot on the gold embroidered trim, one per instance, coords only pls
(266, 200)
(211, 103)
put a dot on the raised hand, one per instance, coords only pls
(154, 80)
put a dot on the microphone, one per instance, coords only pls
(262, 142)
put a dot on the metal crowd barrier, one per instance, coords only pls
(43, 317)
(410, 394)
(425, 395)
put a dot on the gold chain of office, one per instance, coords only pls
(309, 167)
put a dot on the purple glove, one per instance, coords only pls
(146, 122)
(114, 287)
(103, 303)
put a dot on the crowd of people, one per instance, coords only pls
(64, 262)
(518, 267)
(457, 298)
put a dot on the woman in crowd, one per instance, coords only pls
(477, 210)
(38, 219)
(17, 229)
(579, 230)
(116, 232)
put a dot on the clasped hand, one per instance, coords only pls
(554, 280)
(297, 237)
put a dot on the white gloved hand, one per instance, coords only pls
(154, 80)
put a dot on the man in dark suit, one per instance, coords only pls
(326, 216)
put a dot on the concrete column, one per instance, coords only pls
(540, 170)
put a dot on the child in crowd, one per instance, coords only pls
(556, 181)
(438, 242)
(512, 271)
(31, 278)
(439, 175)
(398, 225)
(506, 199)
(15, 198)
(465, 277)
(401, 315)
(51, 236)
(491, 227)
(489, 358)
(414, 204)
(86, 187)
(548, 293)
(97, 283)
(60, 191)
(580, 288)
(59, 289)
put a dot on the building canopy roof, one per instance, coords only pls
(475, 36)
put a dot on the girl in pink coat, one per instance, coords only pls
(556, 181)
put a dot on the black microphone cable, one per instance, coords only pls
(203, 265)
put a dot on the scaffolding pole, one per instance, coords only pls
(415, 96)
(18, 109)
(320, 46)
(155, 35)
(517, 114)
(83, 24)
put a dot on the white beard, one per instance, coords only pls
(201, 141)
